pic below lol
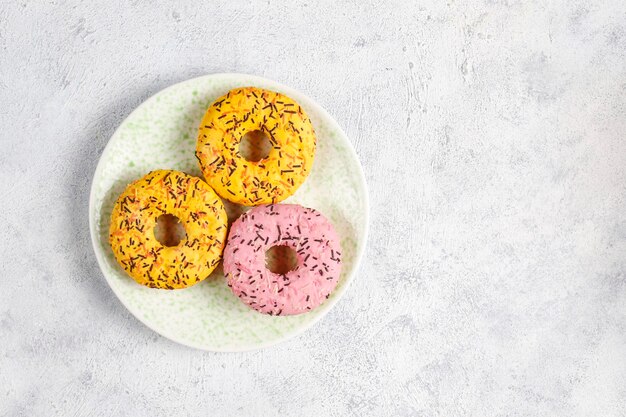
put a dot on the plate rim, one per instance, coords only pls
(326, 307)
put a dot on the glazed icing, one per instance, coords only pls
(317, 248)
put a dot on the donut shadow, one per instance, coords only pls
(233, 211)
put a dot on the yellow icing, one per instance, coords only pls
(134, 217)
(271, 179)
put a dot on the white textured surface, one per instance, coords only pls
(492, 135)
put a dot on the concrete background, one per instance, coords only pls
(493, 138)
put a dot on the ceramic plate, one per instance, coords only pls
(161, 134)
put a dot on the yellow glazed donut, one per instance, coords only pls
(271, 179)
(134, 218)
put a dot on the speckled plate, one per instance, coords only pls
(161, 134)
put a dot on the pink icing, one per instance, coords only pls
(318, 251)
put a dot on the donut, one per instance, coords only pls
(272, 179)
(133, 222)
(317, 250)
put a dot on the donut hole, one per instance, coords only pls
(169, 230)
(281, 259)
(255, 146)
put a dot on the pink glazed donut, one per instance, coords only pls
(317, 250)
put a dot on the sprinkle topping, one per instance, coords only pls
(271, 179)
(134, 218)
(317, 250)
